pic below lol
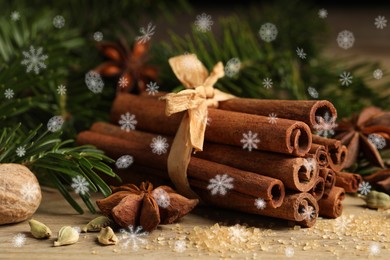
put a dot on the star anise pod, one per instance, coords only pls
(380, 180)
(145, 206)
(365, 133)
(129, 65)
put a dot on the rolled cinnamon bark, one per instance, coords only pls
(293, 172)
(245, 182)
(226, 127)
(300, 110)
(330, 180)
(348, 181)
(318, 190)
(332, 206)
(319, 152)
(337, 153)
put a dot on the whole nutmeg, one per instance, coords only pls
(20, 193)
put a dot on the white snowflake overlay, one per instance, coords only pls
(58, 21)
(94, 82)
(289, 252)
(21, 151)
(345, 78)
(203, 22)
(377, 140)
(124, 161)
(267, 83)
(249, 141)
(80, 185)
(29, 191)
(127, 122)
(162, 198)
(268, 32)
(98, 36)
(61, 90)
(159, 145)
(377, 74)
(380, 22)
(260, 203)
(190, 62)
(272, 118)
(238, 234)
(345, 39)
(15, 16)
(146, 33)
(374, 249)
(180, 246)
(343, 223)
(325, 125)
(123, 82)
(55, 123)
(364, 188)
(309, 212)
(311, 164)
(232, 67)
(19, 240)
(322, 13)
(312, 92)
(301, 54)
(34, 59)
(9, 93)
(220, 184)
(152, 88)
(133, 237)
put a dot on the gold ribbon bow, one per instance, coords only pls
(199, 95)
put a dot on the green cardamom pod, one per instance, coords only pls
(38, 229)
(107, 236)
(378, 200)
(67, 236)
(96, 224)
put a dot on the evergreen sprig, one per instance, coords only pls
(56, 163)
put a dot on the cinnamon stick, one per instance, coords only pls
(319, 152)
(330, 180)
(226, 127)
(300, 110)
(348, 181)
(245, 182)
(318, 190)
(293, 172)
(332, 206)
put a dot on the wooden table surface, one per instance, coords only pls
(364, 228)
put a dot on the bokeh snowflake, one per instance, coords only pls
(152, 88)
(377, 140)
(312, 92)
(345, 78)
(260, 203)
(374, 249)
(9, 93)
(272, 118)
(325, 125)
(268, 32)
(343, 223)
(180, 246)
(203, 22)
(55, 123)
(15, 16)
(133, 237)
(58, 21)
(98, 36)
(146, 33)
(301, 53)
(380, 22)
(238, 234)
(124, 161)
(80, 184)
(267, 83)
(377, 74)
(220, 184)
(61, 90)
(161, 197)
(364, 188)
(232, 67)
(94, 82)
(127, 122)
(21, 151)
(249, 141)
(322, 13)
(289, 252)
(159, 145)
(123, 82)
(345, 39)
(19, 240)
(29, 191)
(34, 59)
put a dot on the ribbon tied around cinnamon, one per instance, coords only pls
(195, 99)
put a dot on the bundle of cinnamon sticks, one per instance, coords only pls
(284, 171)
